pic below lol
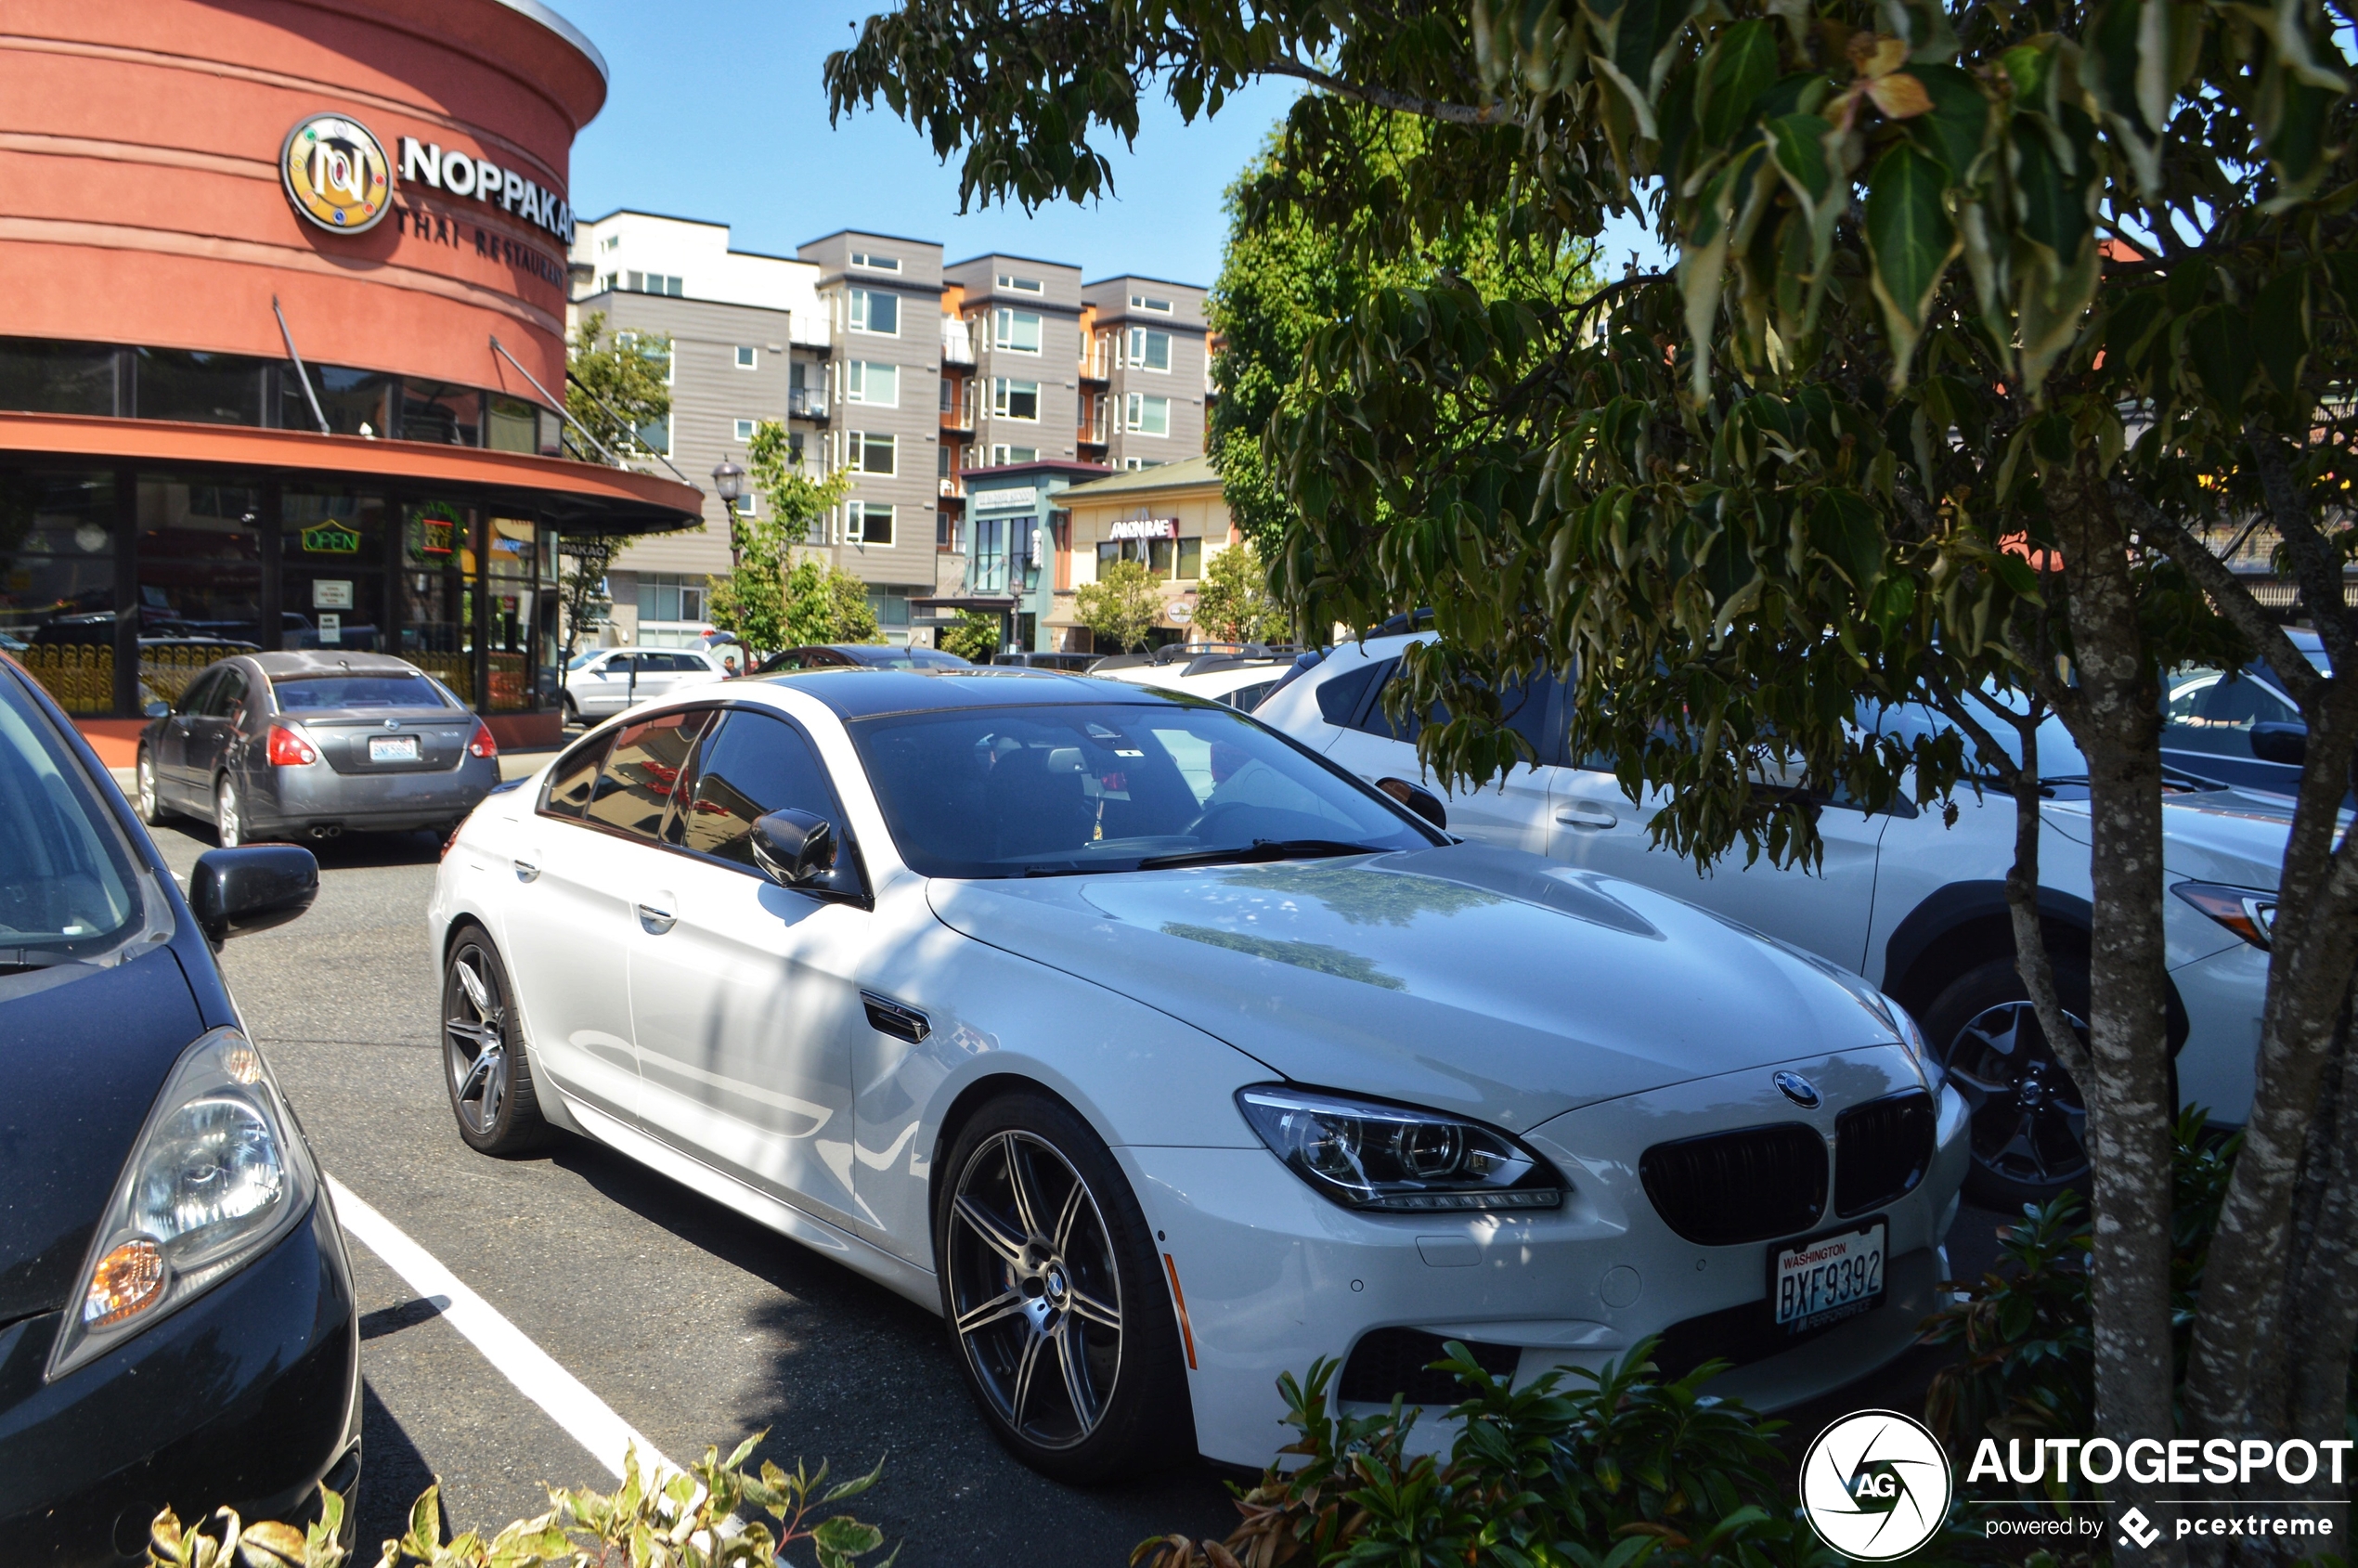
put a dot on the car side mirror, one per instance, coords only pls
(792, 848)
(2288, 743)
(1417, 798)
(236, 891)
(157, 708)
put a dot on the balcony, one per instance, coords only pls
(953, 488)
(806, 403)
(957, 342)
(959, 419)
(1091, 435)
(1096, 365)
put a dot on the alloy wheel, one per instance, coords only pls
(474, 1033)
(228, 826)
(1035, 1293)
(146, 783)
(2028, 1122)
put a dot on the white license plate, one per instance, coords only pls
(393, 748)
(1827, 1277)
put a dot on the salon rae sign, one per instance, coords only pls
(1144, 528)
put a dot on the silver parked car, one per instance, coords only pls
(308, 745)
(601, 683)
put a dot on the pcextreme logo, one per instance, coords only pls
(1876, 1486)
(336, 175)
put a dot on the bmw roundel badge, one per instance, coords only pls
(1797, 1089)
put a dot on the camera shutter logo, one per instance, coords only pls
(1876, 1486)
(335, 173)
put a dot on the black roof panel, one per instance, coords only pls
(867, 691)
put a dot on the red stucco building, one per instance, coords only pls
(282, 297)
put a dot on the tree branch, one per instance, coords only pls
(2227, 592)
(1387, 98)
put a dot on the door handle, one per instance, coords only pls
(1589, 819)
(654, 918)
(527, 871)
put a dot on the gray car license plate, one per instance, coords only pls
(1828, 1277)
(393, 748)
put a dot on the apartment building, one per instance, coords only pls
(749, 342)
(911, 374)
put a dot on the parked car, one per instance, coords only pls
(314, 745)
(1161, 1056)
(2237, 727)
(868, 655)
(1916, 906)
(1240, 679)
(180, 1324)
(1071, 664)
(601, 683)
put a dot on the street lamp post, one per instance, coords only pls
(729, 484)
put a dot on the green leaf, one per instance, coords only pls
(2219, 342)
(2054, 208)
(1958, 126)
(1911, 239)
(2280, 327)
(1741, 63)
(1843, 528)
(847, 1536)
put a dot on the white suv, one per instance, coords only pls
(602, 683)
(1917, 906)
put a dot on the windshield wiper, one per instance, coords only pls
(1262, 849)
(18, 960)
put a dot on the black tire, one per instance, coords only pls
(572, 718)
(495, 1104)
(1080, 1297)
(229, 827)
(2028, 1133)
(147, 791)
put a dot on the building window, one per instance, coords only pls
(1190, 557)
(1144, 302)
(1001, 456)
(794, 448)
(666, 596)
(749, 357)
(875, 263)
(1020, 285)
(868, 522)
(653, 283)
(864, 381)
(1148, 416)
(747, 506)
(1017, 330)
(1149, 350)
(872, 452)
(1017, 400)
(1134, 464)
(873, 310)
(948, 392)
(744, 430)
(657, 348)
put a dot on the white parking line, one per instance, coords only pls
(587, 1419)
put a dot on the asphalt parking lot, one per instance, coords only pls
(695, 1325)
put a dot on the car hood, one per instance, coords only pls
(1469, 978)
(2235, 836)
(83, 1055)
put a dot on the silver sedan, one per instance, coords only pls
(309, 745)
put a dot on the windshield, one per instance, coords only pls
(2058, 756)
(314, 692)
(67, 888)
(1038, 791)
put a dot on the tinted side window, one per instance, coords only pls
(572, 779)
(228, 693)
(634, 789)
(1339, 698)
(199, 692)
(754, 765)
(1529, 710)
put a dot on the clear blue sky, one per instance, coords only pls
(717, 112)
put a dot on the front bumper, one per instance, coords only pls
(248, 1397)
(1274, 1276)
(2226, 997)
(295, 800)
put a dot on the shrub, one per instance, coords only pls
(1607, 1468)
(694, 1520)
(974, 637)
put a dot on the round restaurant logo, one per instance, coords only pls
(336, 174)
(1876, 1486)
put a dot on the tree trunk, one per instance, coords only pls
(2115, 714)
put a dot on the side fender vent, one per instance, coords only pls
(887, 1016)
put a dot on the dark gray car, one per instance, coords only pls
(309, 745)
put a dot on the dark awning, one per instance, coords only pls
(578, 498)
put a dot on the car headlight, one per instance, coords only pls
(216, 1176)
(1364, 1154)
(2250, 913)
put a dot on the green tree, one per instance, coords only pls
(1235, 605)
(974, 637)
(1979, 312)
(777, 595)
(614, 386)
(1121, 606)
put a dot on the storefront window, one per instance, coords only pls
(199, 557)
(57, 378)
(448, 416)
(57, 583)
(511, 425)
(509, 581)
(354, 402)
(437, 611)
(332, 570)
(171, 383)
(988, 570)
